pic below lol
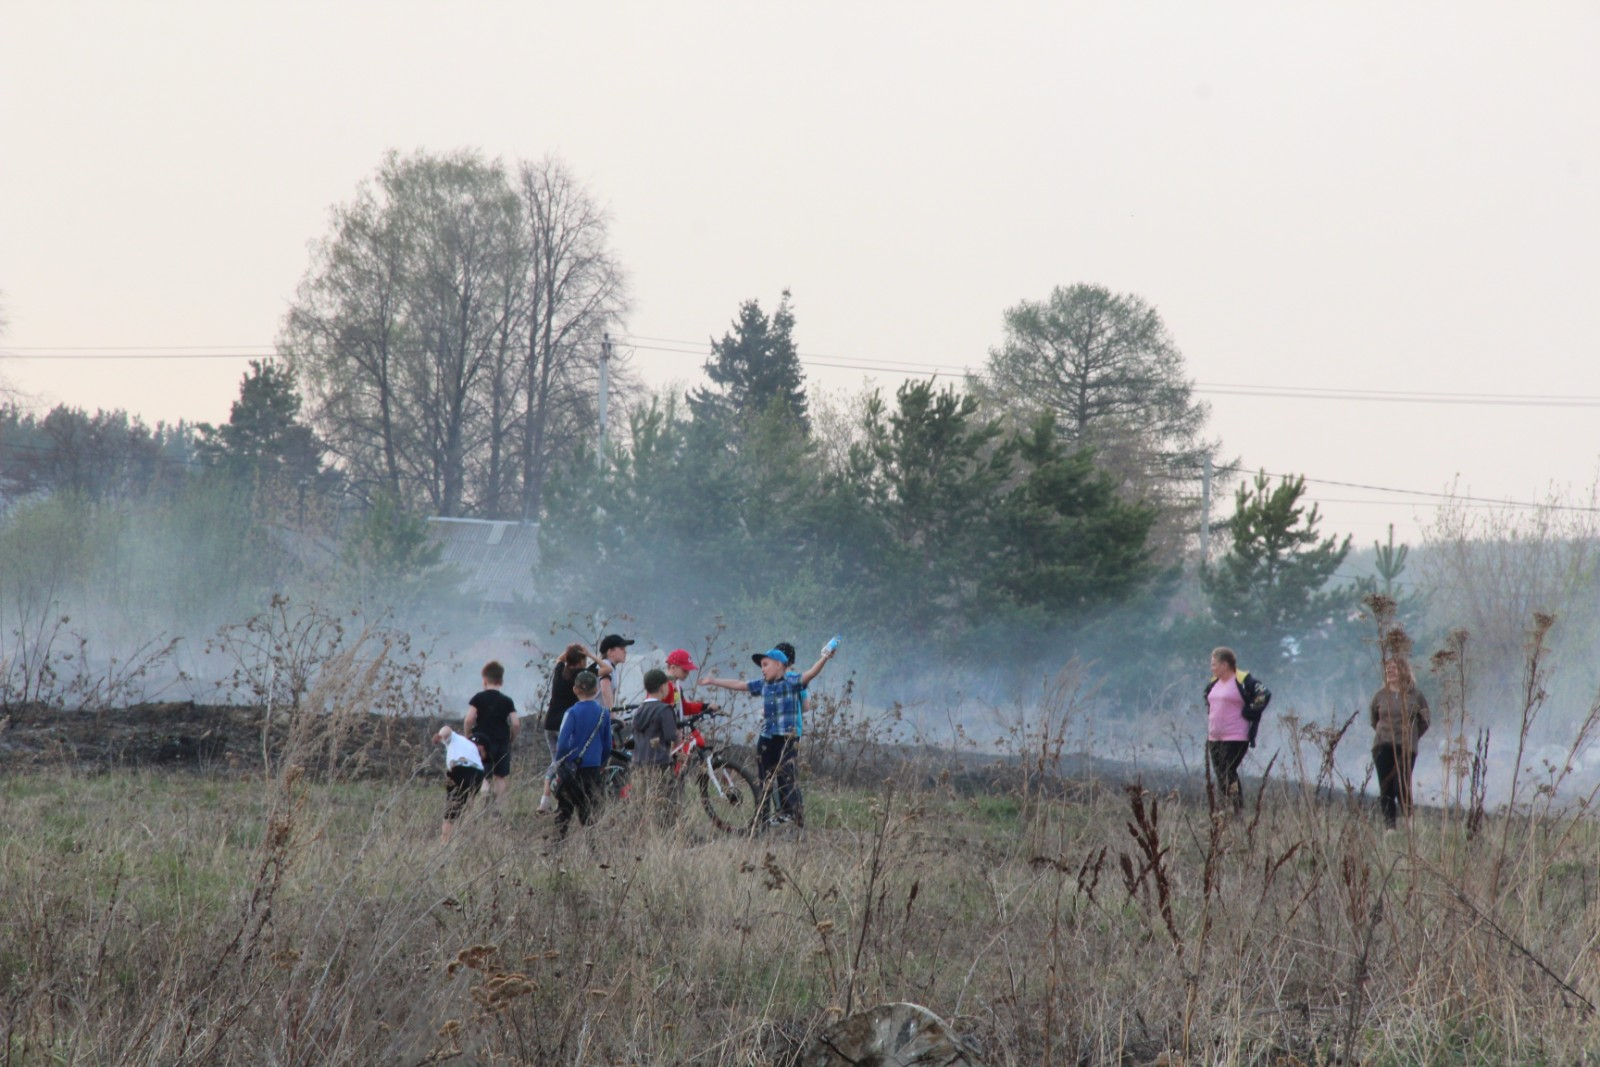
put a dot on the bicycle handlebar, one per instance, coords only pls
(624, 711)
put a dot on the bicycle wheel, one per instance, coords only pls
(616, 780)
(729, 798)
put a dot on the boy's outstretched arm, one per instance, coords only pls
(816, 668)
(725, 683)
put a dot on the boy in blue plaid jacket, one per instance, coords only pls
(781, 692)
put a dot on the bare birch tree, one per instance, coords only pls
(576, 288)
(448, 330)
(461, 223)
(343, 337)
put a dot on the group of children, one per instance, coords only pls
(577, 727)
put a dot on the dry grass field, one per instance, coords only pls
(301, 918)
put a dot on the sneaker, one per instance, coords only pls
(545, 807)
(782, 819)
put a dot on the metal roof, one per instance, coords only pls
(497, 558)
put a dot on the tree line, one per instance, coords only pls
(441, 357)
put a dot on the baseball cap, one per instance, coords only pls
(679, 657)
(771, 653)
(610, 641)
(585, 682)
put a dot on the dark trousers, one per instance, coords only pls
(463, 784)
(1226, 756)
(778, 759)
(1393, 765)
(580, 796)
(497, 762)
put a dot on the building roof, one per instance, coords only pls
(497, 558)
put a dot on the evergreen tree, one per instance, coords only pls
(911, 509)
(676, 522)
(753, 368)
(1106, 366)
(107, 455)
(1388, 563)
(264, 439)
(1269, 592)
(1062, 540)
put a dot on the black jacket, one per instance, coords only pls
(1256, 696)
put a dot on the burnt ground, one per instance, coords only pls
(208, 737)
(228, 739)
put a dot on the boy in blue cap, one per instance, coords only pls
(782, 693)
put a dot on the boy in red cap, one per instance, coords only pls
(679, 664)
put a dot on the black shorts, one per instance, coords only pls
(497, 759)
(463, 784)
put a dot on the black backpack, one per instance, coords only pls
(1256, 698)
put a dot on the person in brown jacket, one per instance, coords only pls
(1399, 719)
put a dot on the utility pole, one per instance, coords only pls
(605, 361)
(1205, 513)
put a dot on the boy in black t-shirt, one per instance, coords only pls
(492, 717)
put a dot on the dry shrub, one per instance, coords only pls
(1489, 570)
(314, 919)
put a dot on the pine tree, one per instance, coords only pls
(1062, 540)
(1269, 594)
(754, 367)
(264, 439)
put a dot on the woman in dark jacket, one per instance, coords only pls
(573, 660)
(1399, 719)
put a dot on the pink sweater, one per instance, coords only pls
(1226, 721)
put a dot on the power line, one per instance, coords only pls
(1457, 499)
(1454, 498)
(1461, 502)
(131, 348)
(883, 366)
(1291, 392)
(1387, 393)
(697, 348)
(816, 359)
(1307, 393)
(123, 354)
(700, 349)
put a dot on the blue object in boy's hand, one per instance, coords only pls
(832, 646)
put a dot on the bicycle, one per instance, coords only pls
(728, 792)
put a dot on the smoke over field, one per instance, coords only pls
(193, 596)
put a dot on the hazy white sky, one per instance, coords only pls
(1344, 196)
